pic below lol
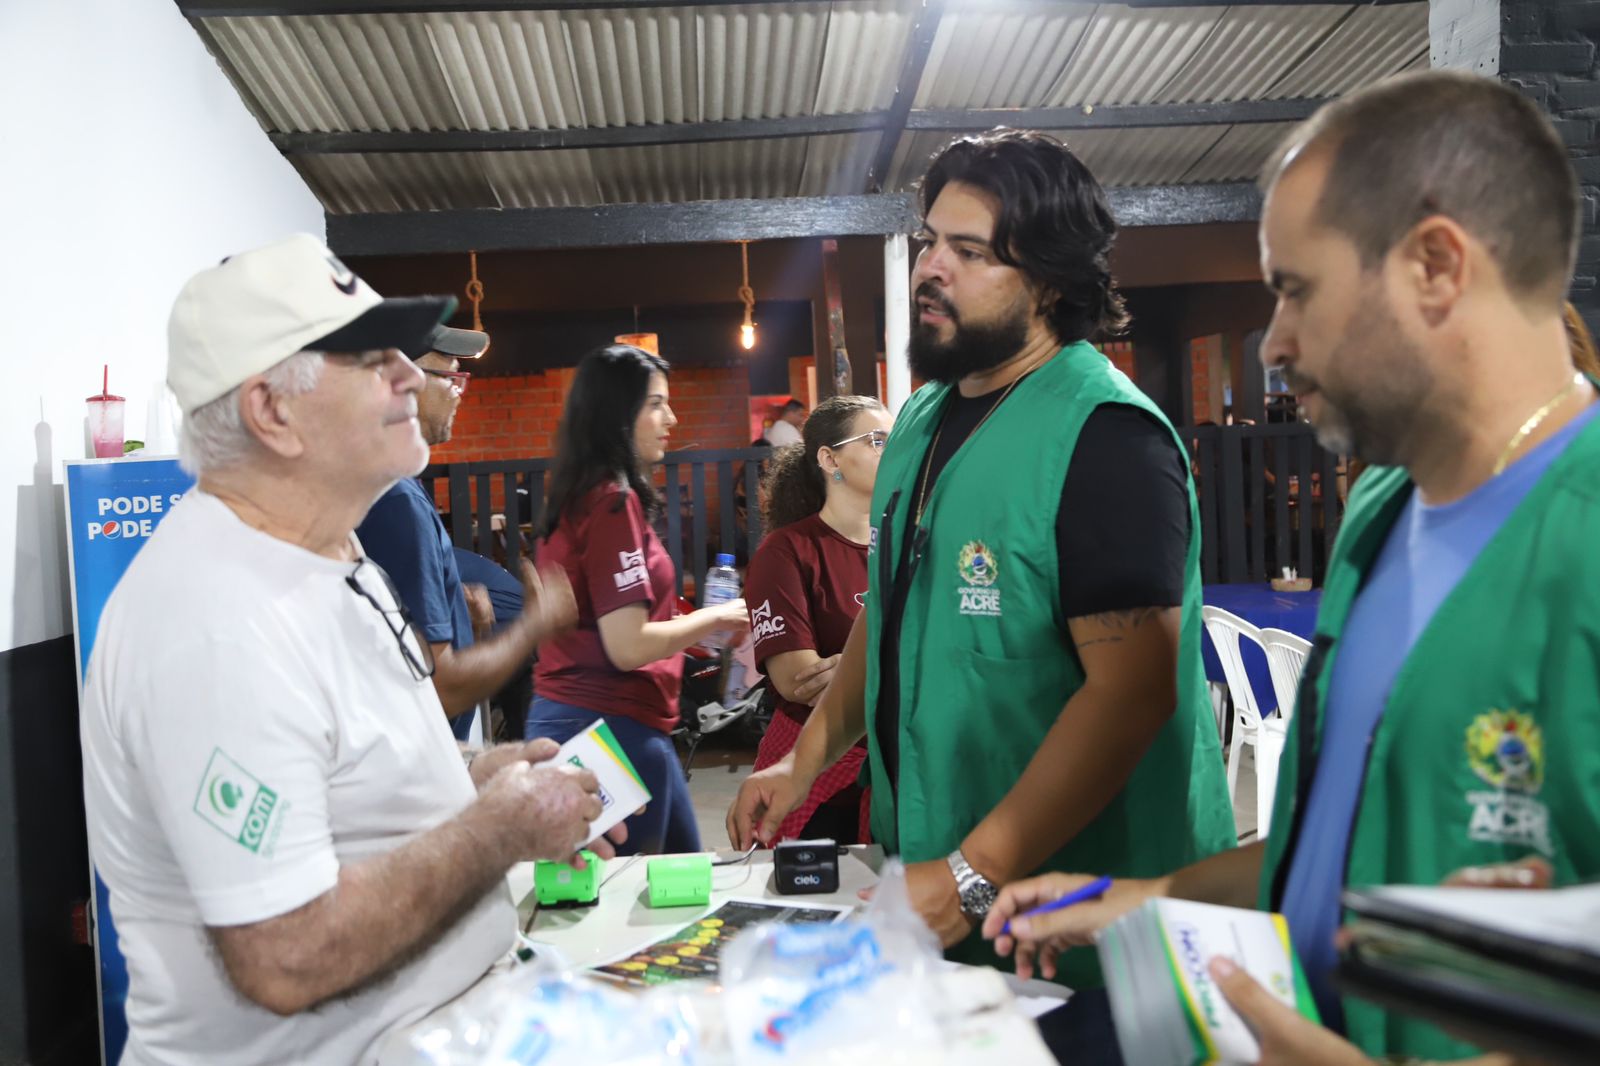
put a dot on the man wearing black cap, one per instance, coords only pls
(299, 862)
(404, 534)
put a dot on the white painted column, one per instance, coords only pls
(897, 319)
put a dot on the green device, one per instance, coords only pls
(679, 881)
(555, 884)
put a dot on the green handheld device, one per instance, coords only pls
(679, 881)
(556, 883)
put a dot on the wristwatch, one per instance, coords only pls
(977, 892)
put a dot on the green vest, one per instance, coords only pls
(1489, 746)
(985, 660)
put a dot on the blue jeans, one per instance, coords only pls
(667, 825)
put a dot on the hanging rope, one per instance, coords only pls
(475, 294)
(746, 293)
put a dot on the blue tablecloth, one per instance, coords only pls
(1259, 605)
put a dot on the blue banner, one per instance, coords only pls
(113, 505)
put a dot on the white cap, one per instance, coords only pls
(254, 310)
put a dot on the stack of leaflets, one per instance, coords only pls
(622, 790)
(1167, 1009)
(1511, 969)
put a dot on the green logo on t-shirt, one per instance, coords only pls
(235, 801)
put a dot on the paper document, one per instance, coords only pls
(622, 790)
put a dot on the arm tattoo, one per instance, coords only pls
(1132, 618)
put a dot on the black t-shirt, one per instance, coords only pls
(1122, 527)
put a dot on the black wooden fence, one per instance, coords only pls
(1270, 497)
(704, 496)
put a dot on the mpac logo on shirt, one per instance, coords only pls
(979, 571)
(764, 624)
(631, 572)
(236, 802)
(1505, 749)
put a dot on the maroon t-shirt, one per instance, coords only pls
(805, 587)
(613, 558)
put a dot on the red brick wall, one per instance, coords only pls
(516, 417)
(1202, 351)
(1121, 355)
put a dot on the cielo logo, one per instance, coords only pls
(808, 879)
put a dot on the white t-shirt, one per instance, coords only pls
(781, 434)
(249, 725)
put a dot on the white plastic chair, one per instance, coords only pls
(1266, 736)
(1286, 658)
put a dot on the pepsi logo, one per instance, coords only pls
(111, 530)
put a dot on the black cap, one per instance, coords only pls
(399, 322)
(456, 343)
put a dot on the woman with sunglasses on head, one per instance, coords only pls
(806, 585)
(623, 663)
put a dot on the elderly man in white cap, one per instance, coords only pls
(299, 860)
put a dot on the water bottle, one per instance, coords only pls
(721, 586)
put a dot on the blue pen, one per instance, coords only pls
(1093, 890)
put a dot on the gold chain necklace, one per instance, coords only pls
(927, 463)
(1533, 423)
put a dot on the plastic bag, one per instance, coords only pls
(537, 1014)
(862, 990)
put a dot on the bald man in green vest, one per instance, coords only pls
(1420, 237)
(1027, 671)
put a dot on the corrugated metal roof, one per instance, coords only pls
(1249, 50)
(602, 66)
(765, 169)
(1005, 54)
(1239, 154)
(559, 69)
(1128, 54)
(1373, 43)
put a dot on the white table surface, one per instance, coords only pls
(622, 921)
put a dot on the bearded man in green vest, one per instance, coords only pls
(1420, 236)
(1027, 671)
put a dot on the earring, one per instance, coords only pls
(838, 475)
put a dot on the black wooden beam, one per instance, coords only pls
(278, 8)
(619, 225)
(623, 225)
(1185, 205)
(923, 32)
(1119, 116)
(313, 143)
(302, 142)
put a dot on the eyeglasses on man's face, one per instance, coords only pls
(875, 437)
(458, 379)
(368, 580)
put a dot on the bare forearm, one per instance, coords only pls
(382, 911)
(784, 671)
(1229, 878)
(840, 717)
(1085, 760)
(654, 641)
(465, 678)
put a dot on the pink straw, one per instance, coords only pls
(105, 380)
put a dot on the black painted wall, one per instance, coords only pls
(47, 992)
(1548, 50)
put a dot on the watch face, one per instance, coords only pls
(978, 898)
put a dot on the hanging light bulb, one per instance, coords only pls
(747, 332)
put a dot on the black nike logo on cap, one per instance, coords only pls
(344, 279)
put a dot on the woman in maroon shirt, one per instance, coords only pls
(623, 663)
(805, 587)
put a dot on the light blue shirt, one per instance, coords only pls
(1427, 553)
